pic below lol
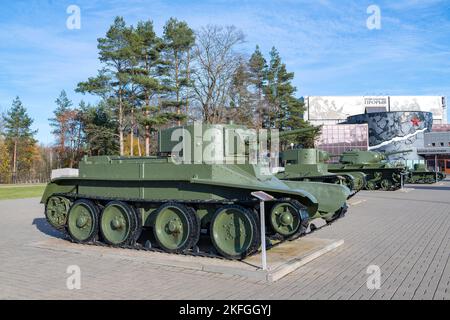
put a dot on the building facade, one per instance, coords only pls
(436, 150)
(336, 109)
(396, 131)
(336, 139)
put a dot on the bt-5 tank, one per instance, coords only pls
(309, 165)
(421, 175)
(114, 199)
(380, 174)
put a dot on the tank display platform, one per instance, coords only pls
(281, 259)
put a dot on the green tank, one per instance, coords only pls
(421, 175)
(380, 174)
(309, 165)
(172, 200)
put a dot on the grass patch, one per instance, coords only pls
(21, 191)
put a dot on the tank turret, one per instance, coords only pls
(309, 165)
(219, 143)
(366, 157)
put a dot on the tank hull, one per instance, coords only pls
(124, 198)
(377, 176)
(425, 177)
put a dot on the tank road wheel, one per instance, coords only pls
(386, 185)
(285, 219)
(359, 183)
(396, 177)
(82, 221)
(176, 227)
(234, 232)
(371, 185)
(349, 182)
(118, 223)
(56, 211)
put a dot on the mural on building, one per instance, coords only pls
(321, 108)
(396, 131)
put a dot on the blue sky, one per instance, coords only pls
(326, 43)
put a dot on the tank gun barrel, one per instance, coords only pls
(387, 154)
(296, 131)
(288, 133)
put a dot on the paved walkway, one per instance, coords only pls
(404, 233)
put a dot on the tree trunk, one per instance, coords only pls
(260, 110)
(14, 175)
(177, 85)
(121, 129)
(188, 79)
(147, 141)
(139, 146)
(132, 133)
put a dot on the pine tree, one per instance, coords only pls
(257, 66)
(99, 129)
(19, 136)
(241, 104)
(113, 80)
(285, 110)
(61, 123)
(148, 51)
(178, 42)
(148, 54)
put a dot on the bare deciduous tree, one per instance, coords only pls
(215, 65)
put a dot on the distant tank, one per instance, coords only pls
(380, 175)
(421, 175)
(127, 202)
(309, 165)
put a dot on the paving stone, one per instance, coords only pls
(407, 234)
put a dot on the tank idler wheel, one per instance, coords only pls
(56, 211)
(118, 223)
(371, 185)
(359, 183)
(285, 219)
(176, 228)
(82, 221)
(234, 232)
(386, 185)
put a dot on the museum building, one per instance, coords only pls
(416, 125)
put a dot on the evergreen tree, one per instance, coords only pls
(61, 125)
(257, 77)
(285, 111)
(178, 42)
(19, 136)
(112, 81)
(149, 80)
(241, 109)
(99, 129)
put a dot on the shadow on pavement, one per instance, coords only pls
(43, 226)
(442, 188)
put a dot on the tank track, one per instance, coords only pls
(193, 251)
